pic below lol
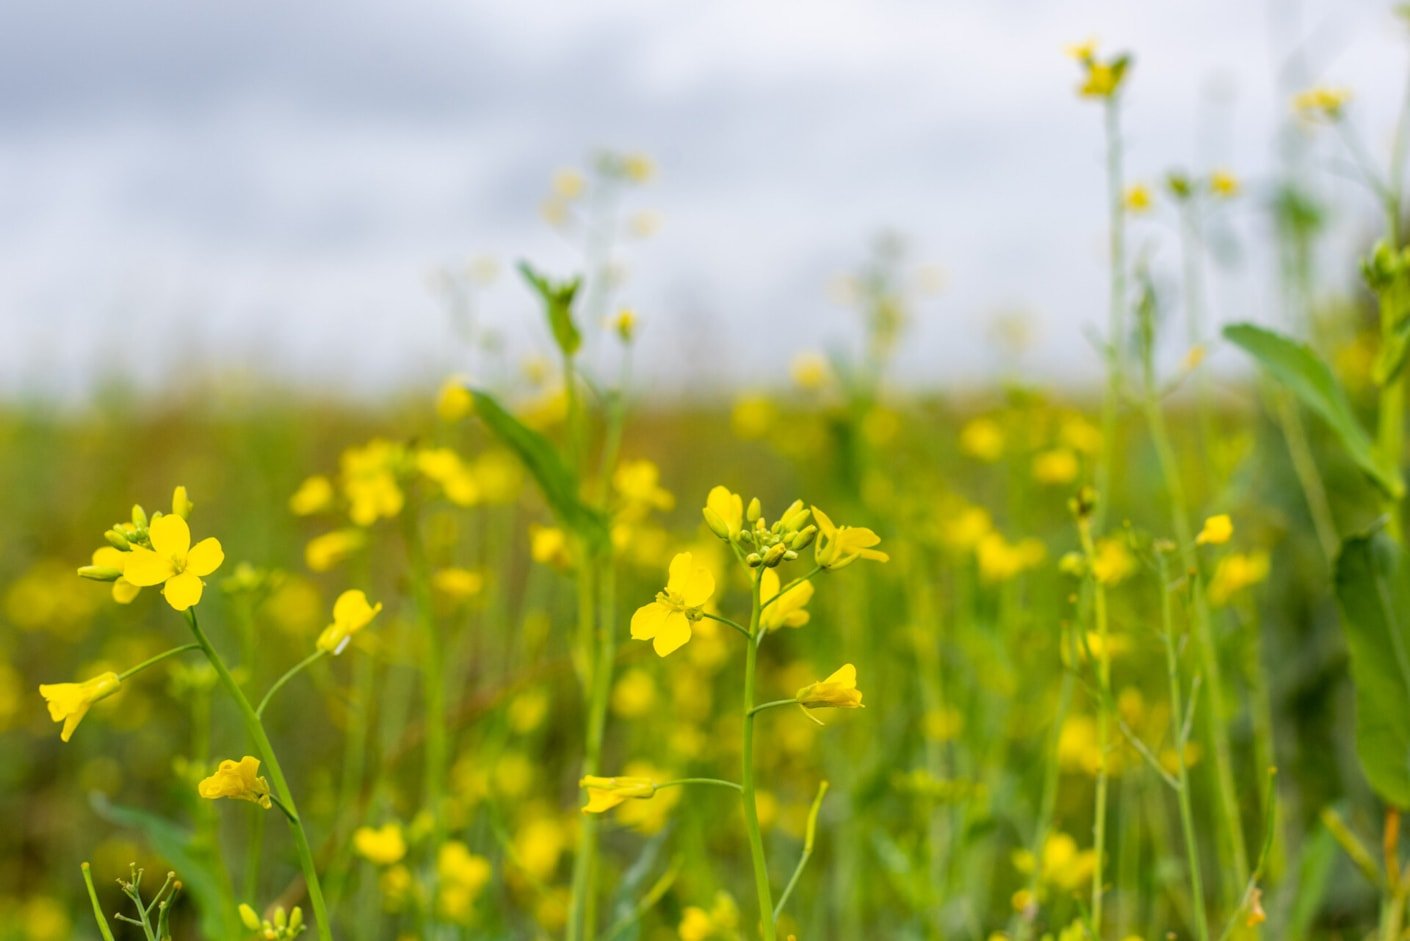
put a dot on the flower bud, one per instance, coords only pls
(716, 523)
(773, 555)
(804, 537)
(181, 504)
(753, 560)
(117, 540)
(139, 516)
(248, 917)
(755, 511)
(99, 573)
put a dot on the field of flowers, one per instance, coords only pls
(532, 657)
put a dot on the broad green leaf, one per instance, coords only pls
(559, 485)
(1304, 373)
(558, 306)
(1373, 589)
(190, 857)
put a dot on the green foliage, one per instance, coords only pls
(558, 306)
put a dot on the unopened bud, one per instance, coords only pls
(181, 504)
(716, 523)
(804, 537)
(774, 554)
(753, 560)
(99, 573)
(755, 511)
(248, 917)
(139, 516)
(117, 540)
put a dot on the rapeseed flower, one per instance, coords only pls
(839, 546)
(70, 702)
(720, 921)
(1224, 184)
(461, 876)
(238, 780)
(724, 513)
(666, 621)
(1138, 198)
(606, 793)
(382, 845)
(326, 551)
(1216, 531)
(108, 559)
(454, 400)
(838, 691)
(1236, 572)
(315, 495)
(173, 562)
(351, 613)
(638, 483)
(790, 610)
(1321, 102)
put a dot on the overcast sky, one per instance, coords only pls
(266, 185)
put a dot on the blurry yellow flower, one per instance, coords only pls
(368, 477)
(1224, 184)
(568, 183)
(721, 922)
(838, 546)
(461, 875)
(753, 416)
(1000, 560)
(315, 495)
(539, 844)
(173, 562)
(548, 545)
(838, 691)
(1236, 572)
(41, 919)
(1321, 102)
(1062, 864)
(942, 725)
(454, 400)
(1080, 435)
(1137, 198)
(325, 551)
(1083, 51)
(239, 780)
(639, 483)
(1193, 358)
(666, 621)
(809, 371)
(1058, 466)
(444, 466)
(639, 168)
(965, 528)
(382, 845)
(634, 695)
(1216, 531)
(527, 711)
(69, 702)
(110, 559)
(1114, 562)
(395, 884)
(982, 438)
(724, 513)
(1256, 914)
(1103, 78)
(351, 613)
(791, 610)
(625, 324)
(606, 793)
(458, 583)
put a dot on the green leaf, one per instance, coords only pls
(559, 485)
(558, 306)
(1373, 589)
(1304, 373)
(190, 857)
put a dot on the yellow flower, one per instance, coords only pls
(838, 691)
(1103, 78)
(325, 551)
(639, 168)
(568, 183)
(1235, 573)
(809, 371)
(1216, 531)
(549, 546)
(239, 780)
(462, 875)
(458, 583)
(982, 438)
(1321, 102)
(1224, 184)
(110, 558)
(382, 845)
(315, 495)
(724, 513)
(639, 484)
(721, 921)
(634, 696)
(788, 611)
(838, 546)
(1084, 51)
(368, 476)
(606, 793)
(1137, 198)
(69, 702)
(625, 324)
(1114, 562)
(444, 466)
(666, 621)
(351, 613)
(1058, 466)
(173, 561)
(455, 400)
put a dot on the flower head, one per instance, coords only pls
(351, 613)
(1103, 79)
(838, 691)
(1137, 198)
(606, 793)
(790, 610)
(69, 702)
(173, 562)
(1216, 531)
(842, 545)
(238, 780)
(1224, 184)
(724, 513)
(382, 845)
(666, 621)
(638, 483)
(1321, 102)
(315, 495)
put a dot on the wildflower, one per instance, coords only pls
(455, 400)
(458, 583)
(809, 371)
(1137, 198)
(634, 696)
(639, 168)
(238, 780)
(173, 562)
(1216, 531)
(568, 183)
(838, 691)
(369, 481)
(106, 561)
(1224, 184)
(539, 844)
(753, 416)
(315, 495)
(839, 546)
(351, 613)
(1193, 358)
(639, 484)
(790, 610)
(982, 438)
(324, 552)
(1062, 865)
(625, 324)
(1321, 102)
(1058, 466)
(1236, 572)
(444, 467)
(1114, 562)
(721, 921)
(606, 793)
(461, 875)
(549, 546)
(69, 702)
(382, 845)
(724, 513)
(1103, 79)
(666, 621)
(1084, 51)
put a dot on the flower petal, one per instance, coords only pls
(170, 536)
(679, 573)
(699, 586)
(205, 556)
(182, 591)
(672, 635)
(649, 619)
(124, 592)
(145, 568)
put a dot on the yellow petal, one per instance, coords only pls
(170, 536)
(109, 557)
(846, 675)
(145, 568)
(648, 620)
(124, 591)
(673, 634)
(350, 607)
(205, 556)
(182, 591)
(679, 573)
(699, 586)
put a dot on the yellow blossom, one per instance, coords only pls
(753, 416)
(624, 324)
(724, 512)
(539, 844)
(324, 552)
(1216, 531)
(1058, 466)
(568, 183)
(173, 562)
(1103, 79)
(444, 466)
(639, 484)
(809, 371)
(1236, 572)
(1137, 198)
(382, 845)
(606, 793)
(111, 559)
(239, 780)
(666, 621)
(721, 921)
(548, 545)
(69, 702)
(790, 610)
(1114, 562)
(838, 691)
(1321, 102)
(461, 875)
(454, 400)
(351, 613)
(315, 495)
(458, 583)
(639, 168)
(1224, 184)
(369, 481)
(634, 695)
(838, 546)
(982, 438)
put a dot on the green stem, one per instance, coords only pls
(717, 782)
(98, 915)
(723, 620)
(789, 587)
(751, 810)
(598, 664)
(437, 736)
(772, 705)
(292, 672)
(153, 661)
(1103, 727)
(1116, 331)
(256, 730)
(810, 835)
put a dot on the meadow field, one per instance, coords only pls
(527, 652)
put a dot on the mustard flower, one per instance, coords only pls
(69, 702)
(238, 780)
(324, 552)
(1103, 79)
(625, 324)
(838, 691)
(1321, 102)
(382, 845)
(788, 611)
(639, 485)
(108, 559)
(444, 467)
(1224, 184)
(173, 562)
(724, 513)
(1216, 531)
(315, 495)
(838, 546)
(351, 613)
(462, 875)
(606, 793)
(455, 400)
(1137, 198)
(666, 621)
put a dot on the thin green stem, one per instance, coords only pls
(98, 915)
(1084, 530)
(772, 705)
(717, 782)
(792, 585)
(809, 836)
(292, 672)
(153, 661)
(751, 810)
(437, 733)
(723, 620)
(255, 728)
